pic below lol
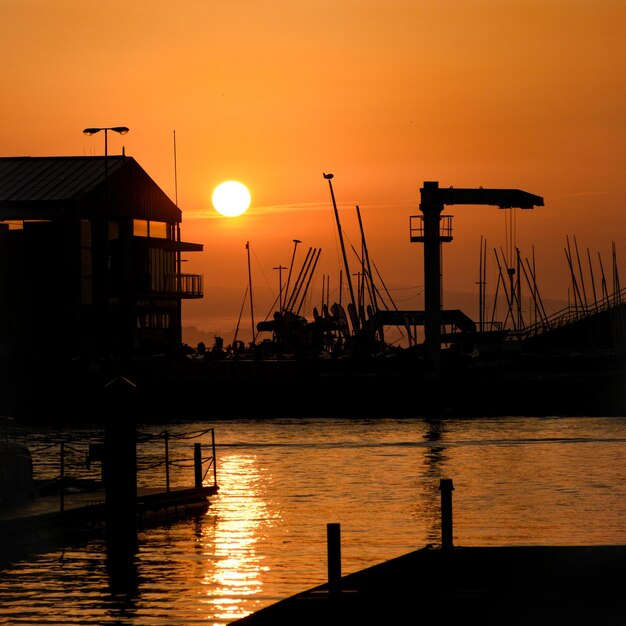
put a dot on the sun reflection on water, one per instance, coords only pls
(240, 514)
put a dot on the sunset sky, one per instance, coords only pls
(524, 94)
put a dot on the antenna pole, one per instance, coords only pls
(250, 289)
(175, 174)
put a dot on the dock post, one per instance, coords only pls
(120, 465)
(197, 465)
(333, 538)
(167, 461)
(446, 488)
(214, 458)
(62, 491)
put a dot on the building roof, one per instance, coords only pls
(44, 179)
(42, 186)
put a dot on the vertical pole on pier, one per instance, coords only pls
(214, 457)
(197, 465)
(446, 488)
(333, 538)
(62, 492)
(167, 462)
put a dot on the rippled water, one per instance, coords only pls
(518, 481)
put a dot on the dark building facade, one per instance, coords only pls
(90, 260)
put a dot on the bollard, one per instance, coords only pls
(197, 465)
(446, 488)
(333, 538)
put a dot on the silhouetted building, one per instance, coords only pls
(90, 260)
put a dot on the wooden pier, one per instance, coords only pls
(512, 586)
(448, 585)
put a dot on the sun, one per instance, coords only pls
(231, 198)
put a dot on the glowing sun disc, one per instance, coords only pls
(231, 198)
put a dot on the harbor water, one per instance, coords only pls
(517, 481)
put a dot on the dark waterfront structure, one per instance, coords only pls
(90, 250)
(91, 290)
(517, 586)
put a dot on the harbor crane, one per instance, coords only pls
(434, 230)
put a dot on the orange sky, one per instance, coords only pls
(523, 94)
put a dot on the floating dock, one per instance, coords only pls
(46, 522)
(512, 586)
(446, 585)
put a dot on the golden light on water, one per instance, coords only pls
(234, 573)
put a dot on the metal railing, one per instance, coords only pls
(201, 466)
(569, 314)
(76, 457)
(184, 285)
(416, 228)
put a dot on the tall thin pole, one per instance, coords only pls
(310, 255)
(616, 284)
(593, 282)
(175, 173)
(481, 320)
(179, 265)
(250, 289)
(312, 266)
(329, 177)
(106, 278)
(366, 256)
(104, 296)
(580, 271)
(280, 269)
(293, 256)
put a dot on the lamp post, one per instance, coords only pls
(122, 130)
(293, 256)
(280, 269)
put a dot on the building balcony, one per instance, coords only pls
(185, 286)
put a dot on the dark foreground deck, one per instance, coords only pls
(503, 586)
(43, 523)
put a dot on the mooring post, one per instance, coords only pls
(167, 461)
(333, 538)
(446, 488)
(197, 465)
(120, 464)
(62, 492)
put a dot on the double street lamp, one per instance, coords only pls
(122, 130)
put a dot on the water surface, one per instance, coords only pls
(518, 481)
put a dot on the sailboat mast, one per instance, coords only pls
(367, 269)
(293, 256)
(355, 321)
(250, 290)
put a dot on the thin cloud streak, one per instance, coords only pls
(302, 207)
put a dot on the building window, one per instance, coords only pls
(162, 266)
(146, 228)
(140, 228)
(157, 230)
